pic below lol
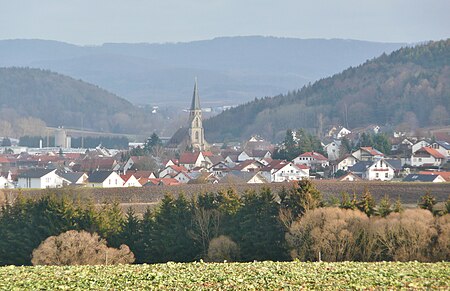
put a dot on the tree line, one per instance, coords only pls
(295, 222)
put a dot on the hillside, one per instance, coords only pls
(407, 88)
(59, 100)
(231, 70)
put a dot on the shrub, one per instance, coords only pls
(79, 248)
(223, 248)
(330, 233)
(405, 236)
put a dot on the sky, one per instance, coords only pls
(93, 22)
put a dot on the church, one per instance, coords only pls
(192, 136)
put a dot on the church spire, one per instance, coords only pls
(195, 105)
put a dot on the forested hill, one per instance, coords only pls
(62, 101)
(407, 88)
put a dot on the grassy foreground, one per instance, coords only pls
(232, 276)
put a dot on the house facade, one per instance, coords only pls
(40, 178)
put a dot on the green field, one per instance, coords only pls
(230, 276)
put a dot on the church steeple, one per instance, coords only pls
(195, 105)
(196, 131)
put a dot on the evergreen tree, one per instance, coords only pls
(258, 232)
(170, 236)
(398, 206)
(367, 203)
(131, 233)
(385, 207)
(427, 202)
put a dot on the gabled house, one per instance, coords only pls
(424, 178)
(219, 169)
(5, 183)
(238, 177)
(344, 163)
(40, 178)
(130, 180)
(261, 155)
(367, 154)
(379, 170)
(443, 147)
(332, 150)
(172, 171)
(349, 177)
(75, 178)
(243, 156)
(191, 160)
(427, 157)
(105, 179)
(281, 171)
(445, 175)
(311, 159)
(418, 145)
(248, 166)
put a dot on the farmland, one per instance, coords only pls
(231, 276)
(141, 198)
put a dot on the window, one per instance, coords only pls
(386, 175)
(377, 175)
(196, 135)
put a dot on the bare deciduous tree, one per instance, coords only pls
(222, 249)
(79, 248)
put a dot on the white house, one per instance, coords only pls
(427, 157)
(344, 163)
(281, 171)
(424, 178)
(40, 178)
(192, 160)
(311, 159)
(105, 179)
(243, 156)
(171, 171)
(443, 147)
(248, 166)
(332, 150)
(418, 145)
(239, 177)
(75, 178)
(367, 154)
(130, 180)
(5, 184)
(379, 170)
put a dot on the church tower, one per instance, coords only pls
(196, 131)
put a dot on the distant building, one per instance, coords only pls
(193, 136)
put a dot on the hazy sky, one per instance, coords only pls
(99, 21)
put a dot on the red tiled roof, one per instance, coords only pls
(302, 167)
(207, 154)
(433, 152)
(169, 181)
(314, 155)
(445, 175)
(178, 168)
(4, 160)
(142, 174)
(243, 164)
(275, 164)
(372, 151)
(189, 158)
(126, 176)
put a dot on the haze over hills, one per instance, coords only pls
(407, 89)
(59, 100)
(231, 70)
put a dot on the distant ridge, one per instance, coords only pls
(233, 70)
(406, 89)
